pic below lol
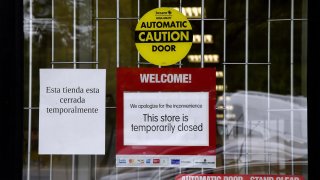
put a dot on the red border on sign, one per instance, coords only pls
(203, 80)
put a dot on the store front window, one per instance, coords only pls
(259, 50)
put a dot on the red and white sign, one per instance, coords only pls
(236, 177)
(166, 111)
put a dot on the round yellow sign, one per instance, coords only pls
(163, 36)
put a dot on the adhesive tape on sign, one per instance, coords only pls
(163, 36)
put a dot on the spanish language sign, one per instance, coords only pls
(236, 177)
(163, 36)
(166, 117)
(72, 111)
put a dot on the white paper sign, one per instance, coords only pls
(72, 111)
(166, 118)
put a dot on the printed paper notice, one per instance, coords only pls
(72, 111)
(166, 118)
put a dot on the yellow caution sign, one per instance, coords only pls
(163, 36)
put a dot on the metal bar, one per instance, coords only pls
(248, 153)
(97, 66)
(95, 167)
(74, 33)
(207, 19)
(202, 33)
(202, 42)
(190, 19)
(117, 50)
(52, 35)
(268, 98)
(27, 108)
(246, 83)
(51, 167)
(73, 167)
(116, 173)
(281, 110)
(133, 18)
(246, 63)
(30, 89)
(52, 66)
(97, 33)
(224, 80)
(74, 62)
(159, 66)
(111, 107)
(180, 5)
(291, 19)
(121, 18)
(292, 82)
(177, 64)
(180, 10)
(138, 54)
(118, 32)
(74, 66)
(38, 19)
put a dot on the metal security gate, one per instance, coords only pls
(257, 47)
